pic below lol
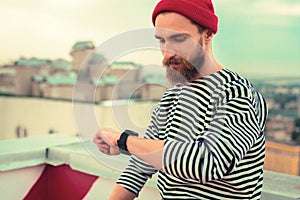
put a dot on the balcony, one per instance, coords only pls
(62, 167)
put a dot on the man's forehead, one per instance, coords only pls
(162, 32)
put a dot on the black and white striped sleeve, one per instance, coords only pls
(138, 171)
(233, 131)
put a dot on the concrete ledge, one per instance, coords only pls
(26, 152)
(280, 186)
(80, 158)
(60, 149)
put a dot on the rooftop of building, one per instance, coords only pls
(10, 72)
(97, 58)
(124, 65)
(68, 79)
(61, 64)
(32, 62)
(58, 149)
(109, 79)
(82, 45)
(60, 80)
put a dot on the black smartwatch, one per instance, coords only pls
(123, 139)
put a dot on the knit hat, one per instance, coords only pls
(200, 11)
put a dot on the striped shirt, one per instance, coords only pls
(213, 129)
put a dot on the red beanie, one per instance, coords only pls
(200, 11)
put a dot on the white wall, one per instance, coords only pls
(15, 184)
(38, 116)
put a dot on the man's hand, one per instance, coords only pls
(106, 141)
(146, 149)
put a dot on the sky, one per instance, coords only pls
(258, 38)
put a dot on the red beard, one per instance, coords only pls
(183, 72)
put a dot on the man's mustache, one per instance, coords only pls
(177, 61)
(174, 60)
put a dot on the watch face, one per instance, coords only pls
(123, 139)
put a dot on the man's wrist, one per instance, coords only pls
(122, 142)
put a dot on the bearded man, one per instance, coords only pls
(206, 136)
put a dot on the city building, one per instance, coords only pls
(154, 86)
(58, 87)
(125, 71)
(272, 104)
(96, 80)
(7, 80)
(37, 83)
(104, 88)
(283, 158)
(280, 128)
(60, 66)
(80, 52)
(25, 69)
(96, 66)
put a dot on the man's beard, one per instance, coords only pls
(186, 71)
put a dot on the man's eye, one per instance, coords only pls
(180, 38)
(161, 41)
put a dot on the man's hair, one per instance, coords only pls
(200, 27)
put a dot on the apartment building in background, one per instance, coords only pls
(24, 70)
(95, 79)
(282, 157)
(80, 52)
(280, 128)
(7, 80)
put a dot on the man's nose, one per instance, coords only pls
(168, 53)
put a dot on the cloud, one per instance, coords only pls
(273, 7)
(276, 13)
(258, 7)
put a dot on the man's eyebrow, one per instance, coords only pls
(179, 35)
(173, 36)
(158, 37)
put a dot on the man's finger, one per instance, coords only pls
(103, 146)
(96, 138)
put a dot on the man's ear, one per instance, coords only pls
(208, 35)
